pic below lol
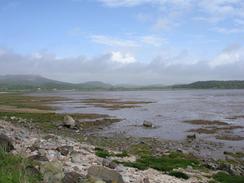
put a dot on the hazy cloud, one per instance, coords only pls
(118, 67)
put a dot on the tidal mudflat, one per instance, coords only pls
(166, 110)
(200, 129)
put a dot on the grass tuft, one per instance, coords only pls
(223, 177)
(13, 169)
(179, 175)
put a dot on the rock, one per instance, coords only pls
(42, 152)
(105, 174)
(145, 180)
(147, 124)
(34, 147)
(228, 168)
(69, 122)
(109, 163)
(76, 157)
(191, 137)
(6, 143)
(100, 181)
(52, 172)
(72, 177)
(38, 157)
(65, 150)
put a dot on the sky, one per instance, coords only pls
(123, 41)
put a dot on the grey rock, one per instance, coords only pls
(73, 177)
(6, 143)
(191, 137)
(76, 157)
(147, 124)
(109, 163)
(38, 157)
(65, 150)
(145, 180)
(69, 122)
(106, 174)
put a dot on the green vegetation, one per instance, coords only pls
(165, 162)
(140, 149)
(238, 155)
(49, 121)
(42, 121)
(103, 153)
(179, 174)
(212, 85)
(226, 178)
(13, 169)
(18, 100)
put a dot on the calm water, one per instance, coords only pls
(167, 112)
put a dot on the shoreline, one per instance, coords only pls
(25, 139)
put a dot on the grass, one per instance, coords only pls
(13, 169)
(140, 149)
(179, 175)
(49, 121)
(222, 177)
(19, 100)
(103, 153)
(238, 155)
(165, 163)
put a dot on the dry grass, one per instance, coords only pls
(113, 104)
(205, 122)
(214, 129)
(229, 137)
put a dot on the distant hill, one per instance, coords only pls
(36, 82)
(30, 82)
(212, 85)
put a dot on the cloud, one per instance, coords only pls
(231, 55)
(172, 13)
(110, 41)
(126, 3)
(123, 58)
(152, 40)
(123, 67)
(132, 42)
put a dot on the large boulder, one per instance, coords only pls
(52, 172)
(69, 122)
(73, 177)
(106, 174)
(6, 143)
(76, 157)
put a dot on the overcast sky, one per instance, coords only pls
(123, 41)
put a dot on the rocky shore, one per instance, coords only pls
(63, 159)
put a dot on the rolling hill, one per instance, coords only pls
(36, 82)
